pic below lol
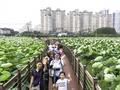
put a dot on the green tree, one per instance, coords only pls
(105, 30)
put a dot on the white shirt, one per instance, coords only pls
(56, 50)
(56, 64)
(50, 47)
(62, 84)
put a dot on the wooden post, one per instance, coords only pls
(84, 77)
(29, 71)
(35, 62)
(95, 83)
(78, 72)
(75, 65)
(1, 86)
(19, 80)
(72, 58)
(39, 56)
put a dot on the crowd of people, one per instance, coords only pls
(51, 66)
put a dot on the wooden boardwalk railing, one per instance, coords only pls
(17, 82)
(86, 81)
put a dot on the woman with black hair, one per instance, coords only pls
(36, 82)
(56, 66)
(61, 51)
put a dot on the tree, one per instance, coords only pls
(105, 30)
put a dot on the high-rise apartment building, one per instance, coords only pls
(52, 20)
(75, 21)
(86, 21)
(46, 20)
(105, 19)
(116, 21)
(59, 20)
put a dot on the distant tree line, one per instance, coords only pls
(105, 30)
(100, 32)
(8, 32)
(32, 34)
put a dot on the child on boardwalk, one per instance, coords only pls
(62, 83)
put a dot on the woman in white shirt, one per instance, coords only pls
(57, 66)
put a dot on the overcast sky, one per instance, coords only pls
(15, 13)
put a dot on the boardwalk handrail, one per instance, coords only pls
(18, 77)
(85, 79)
(22, 75)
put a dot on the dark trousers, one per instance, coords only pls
(54, 79)
(41, 85)
(46, 85)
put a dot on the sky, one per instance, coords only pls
(15, 13)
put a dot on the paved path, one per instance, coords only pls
(68, 69)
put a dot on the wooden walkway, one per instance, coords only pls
(69, 70)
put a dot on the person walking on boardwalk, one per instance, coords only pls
(62, 83)
(61, 51)
(51, 46)
(57, 66)
(50, 55)
(46, 73)
(36, 82)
